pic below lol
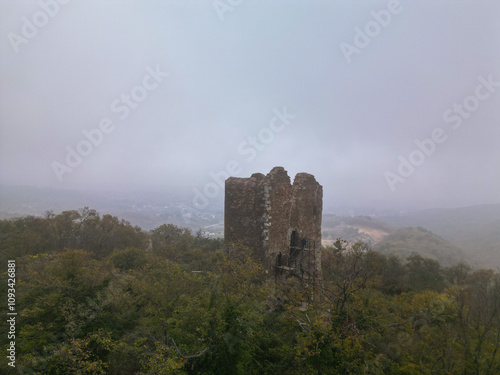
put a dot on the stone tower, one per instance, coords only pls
(278, 221)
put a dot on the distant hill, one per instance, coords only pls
(404, 241)
(476, 229)
(389, 239)
(352, 229)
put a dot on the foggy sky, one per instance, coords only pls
(229, 73)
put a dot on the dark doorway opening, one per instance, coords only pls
(294, 239)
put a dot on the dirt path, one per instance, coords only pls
(376, 234)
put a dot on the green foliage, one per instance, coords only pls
(128, 259)
(185, 305)
(83, 229)
(171, 241)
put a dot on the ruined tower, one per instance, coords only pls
(278, 221)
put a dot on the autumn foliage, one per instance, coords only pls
(98, 296)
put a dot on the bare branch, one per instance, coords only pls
(189, 356)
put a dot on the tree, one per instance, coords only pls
(171, 241)
(424, 273)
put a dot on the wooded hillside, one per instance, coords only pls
(98, 296)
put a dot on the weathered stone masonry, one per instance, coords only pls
(269, 215)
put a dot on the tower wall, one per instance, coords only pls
(261, 212)
(245, 214)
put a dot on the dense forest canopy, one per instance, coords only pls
(96, 295)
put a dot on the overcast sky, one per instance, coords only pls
(355, 83)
